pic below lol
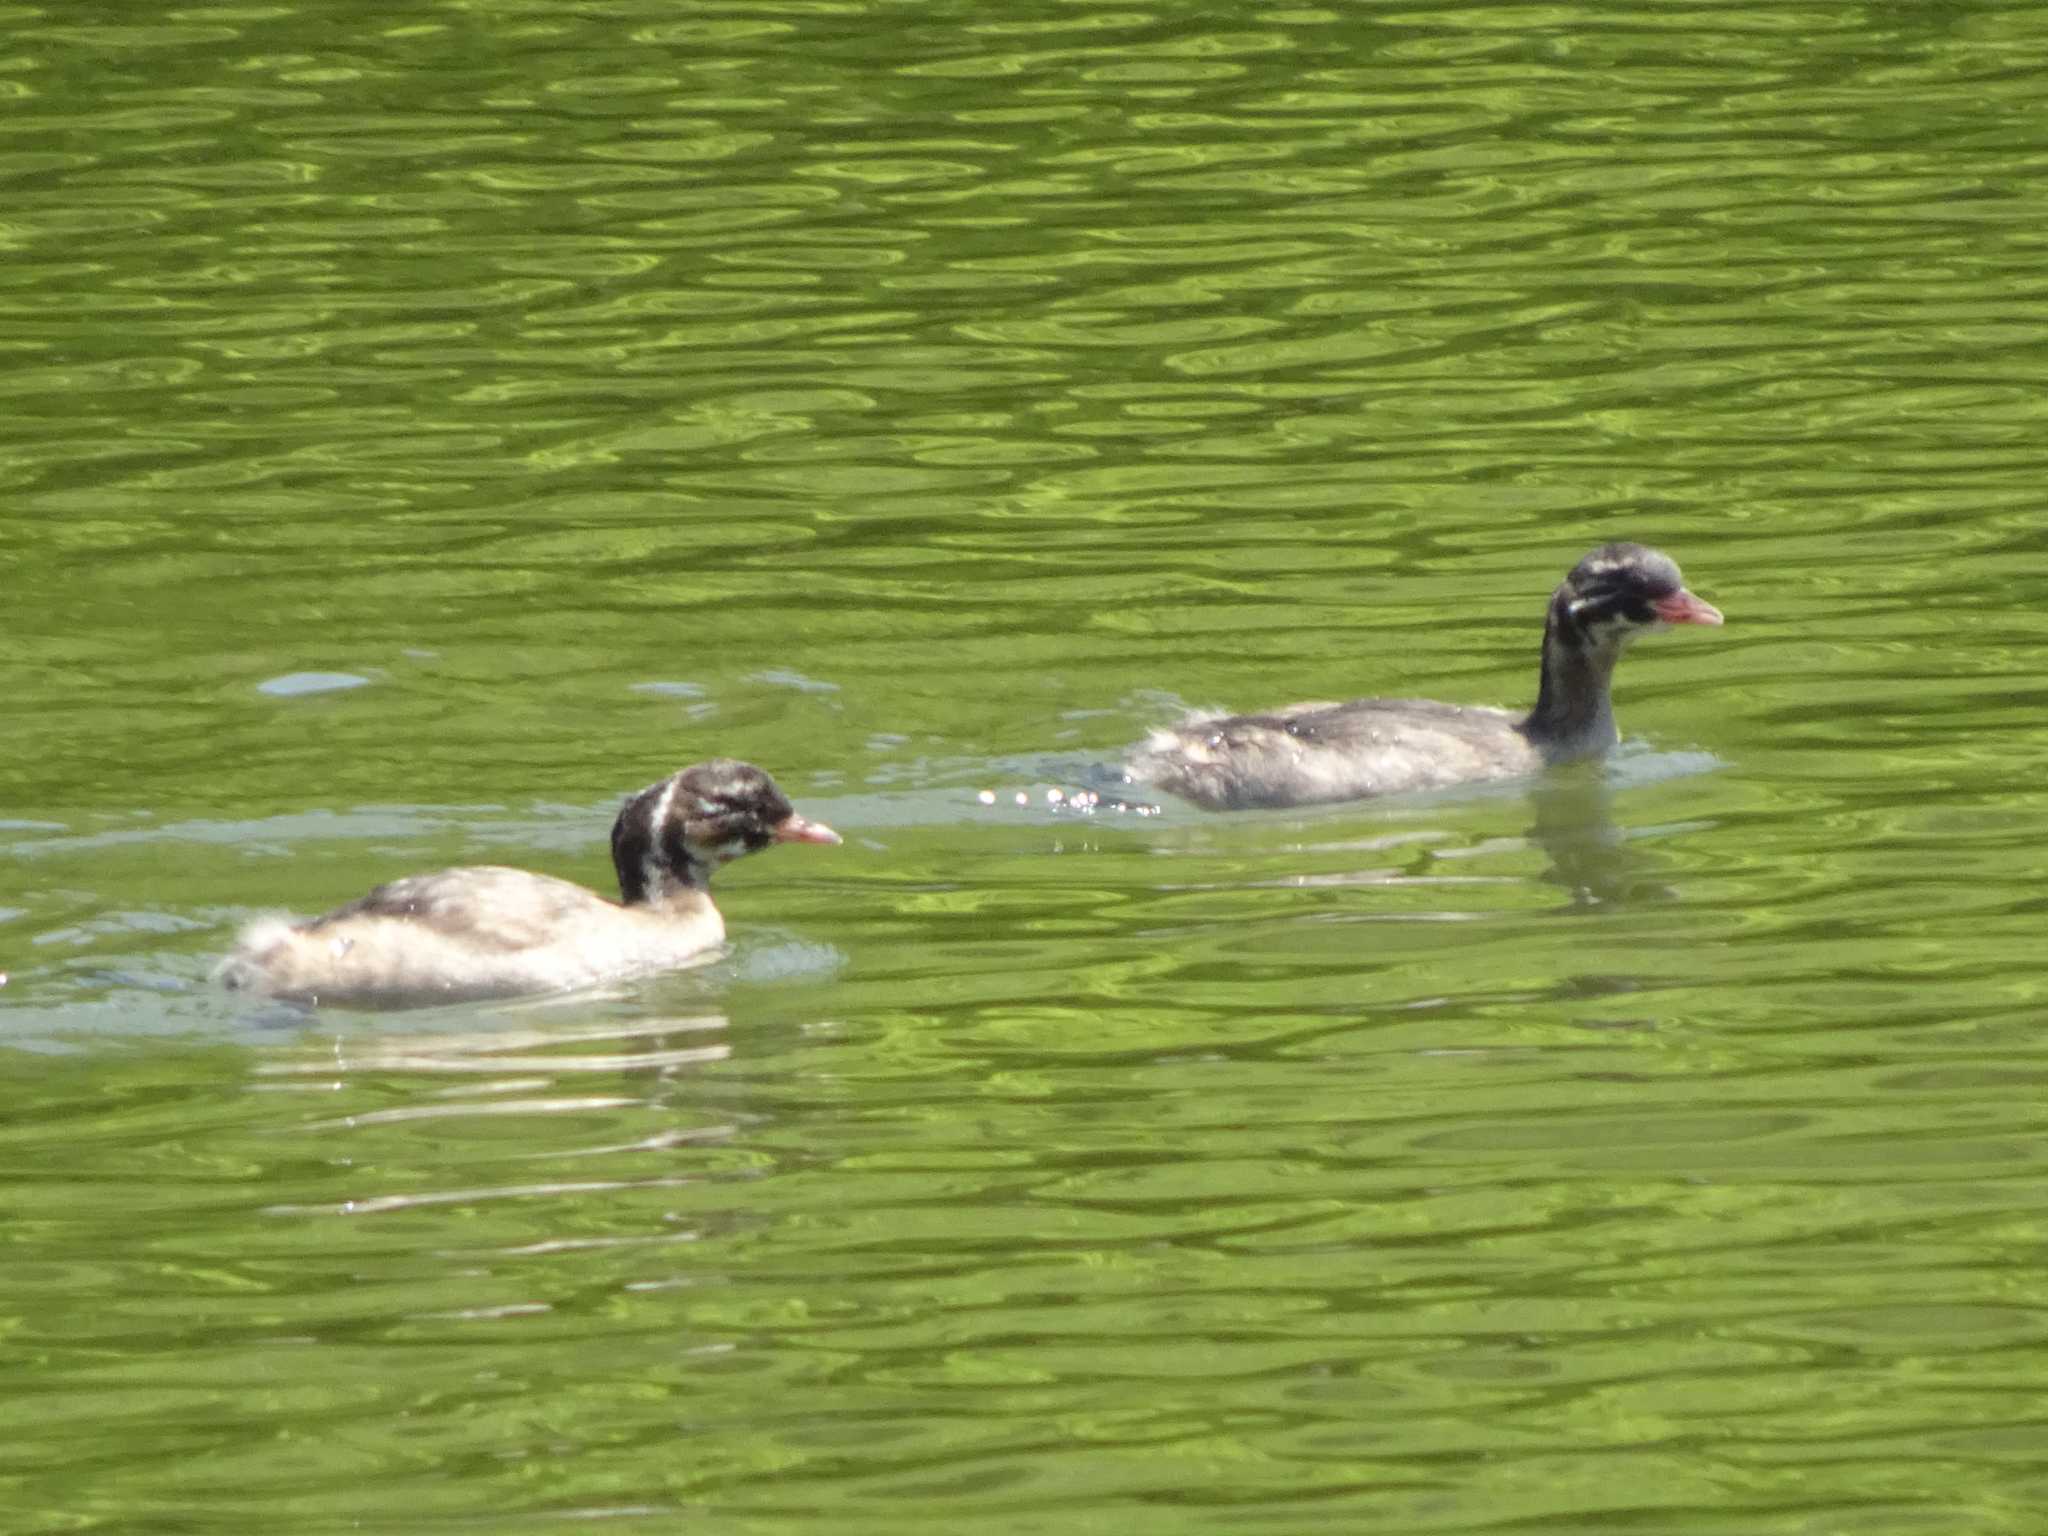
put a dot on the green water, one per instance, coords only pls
(420, 426)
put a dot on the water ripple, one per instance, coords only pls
(948, 397)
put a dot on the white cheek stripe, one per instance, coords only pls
(668, 798)
(650, 864)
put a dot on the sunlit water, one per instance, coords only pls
(424, 427)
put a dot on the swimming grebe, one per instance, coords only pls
(488, 931)
(1308, 753)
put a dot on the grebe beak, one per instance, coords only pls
(800, 829)
(1681, 607)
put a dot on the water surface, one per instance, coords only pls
(423, 429)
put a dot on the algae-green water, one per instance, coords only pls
(423, 426)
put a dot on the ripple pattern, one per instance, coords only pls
(423, 425)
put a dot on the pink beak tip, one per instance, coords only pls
(1681, 607)
(801, 829)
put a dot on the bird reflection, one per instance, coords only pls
(1591, 857)
(518, 1058)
